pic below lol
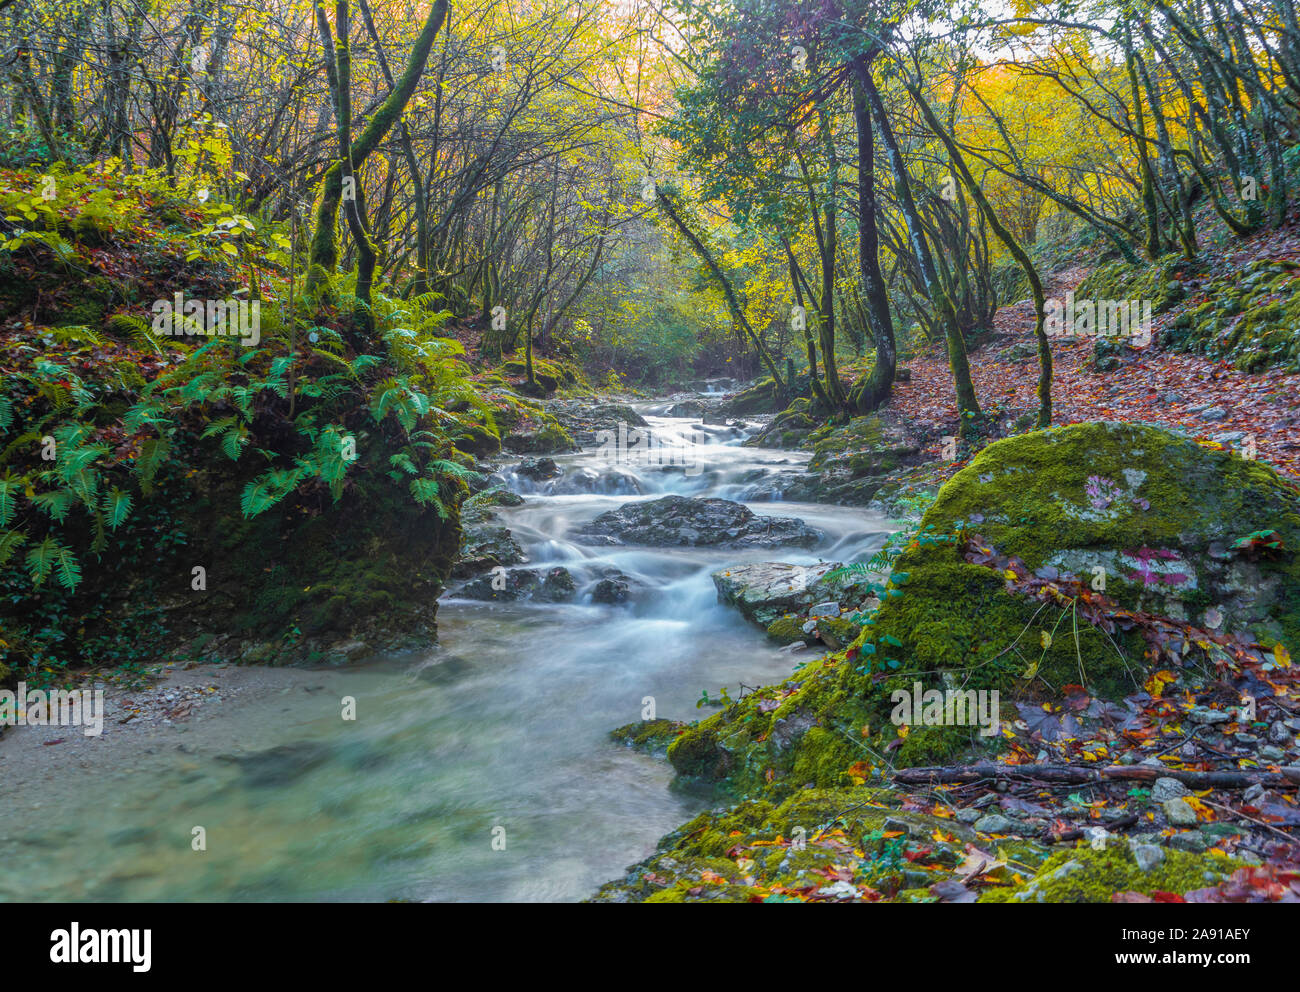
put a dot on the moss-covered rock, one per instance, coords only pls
(1088, 875)
(852, 844)
(1159, 513)
(1249, 316)
(648, 736)
(526, 428)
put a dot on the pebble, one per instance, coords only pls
(1214, 413)
(995, 823)
(840, 890)
(1279, 733)
(968, 815)
(1207, 716)
(1189, 840)
(892, 824)
(1168, 788)
(1179, 814)
(1272, 754)
(1148, 856)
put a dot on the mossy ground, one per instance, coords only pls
(857, 844)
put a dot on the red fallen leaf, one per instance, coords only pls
(57, 740)
(1158, 896)
(916, 855)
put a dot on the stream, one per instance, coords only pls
(497, 738)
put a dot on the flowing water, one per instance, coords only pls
(497, 738)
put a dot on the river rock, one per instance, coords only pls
(1179, 813)
(537, 469)
(1148, 856)
(996, 823)
(555, 586)
(687, 408)
(484, 547)
(601, 479)
(614, 589)
(681, 521)
(765, 591)
(591, 424)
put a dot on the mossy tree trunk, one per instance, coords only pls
(967, 402)
(324, 245)
(1020, 255)
(873, 389)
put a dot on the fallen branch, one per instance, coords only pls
(1077, 775)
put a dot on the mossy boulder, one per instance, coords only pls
(759, 397)
(527, 428)
(477, 439)
(485, 546)
(1158, 513)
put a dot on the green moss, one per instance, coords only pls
(1088, 875)
(648, 736)
(787, 630)
(477, 439)
(759, 398)
(1029, 496)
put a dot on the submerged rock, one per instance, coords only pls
(680, 521)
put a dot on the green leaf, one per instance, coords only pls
(69, 570)
(117, 505)
(10, 541)
(41, 559)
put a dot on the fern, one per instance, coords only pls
(10, 541)
(41, 560)
(54, 504)
(69, 570)
(117, 505)
(267, 490)
(8, 505)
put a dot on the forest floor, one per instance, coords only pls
(1208, 400)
